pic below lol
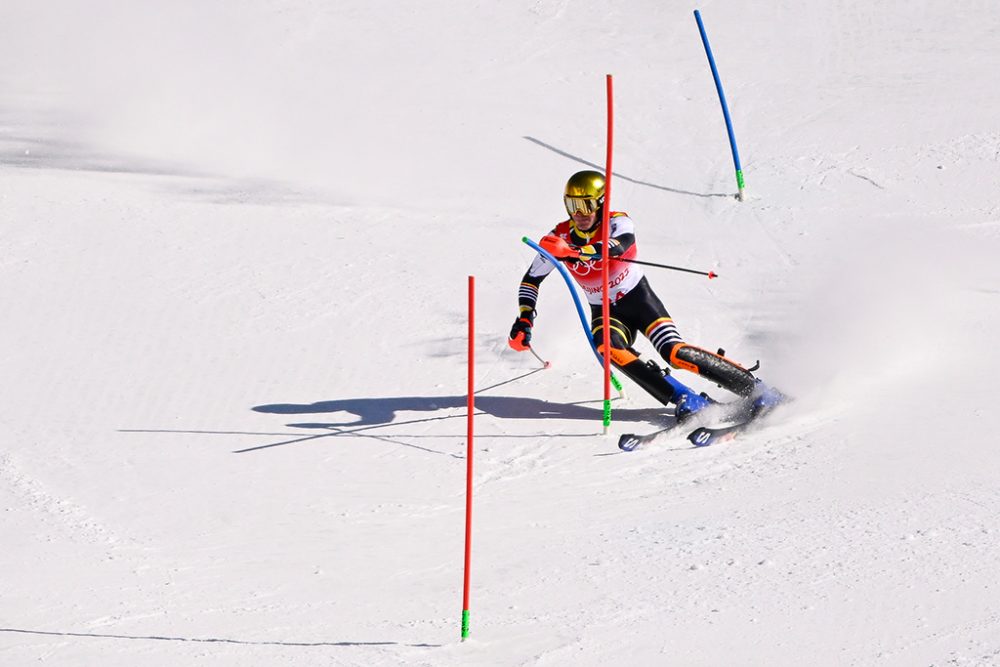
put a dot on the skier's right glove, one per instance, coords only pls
(559, 248)
(520, 333)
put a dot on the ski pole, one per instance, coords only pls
(545, 364)
(710, 274)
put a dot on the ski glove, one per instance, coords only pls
(593, 251)
(520, 333)
(560, 249)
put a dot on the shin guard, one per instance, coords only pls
(713, 367)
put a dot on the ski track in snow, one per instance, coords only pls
(59, 517)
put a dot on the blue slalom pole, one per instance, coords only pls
(725, 107)
(579, 306)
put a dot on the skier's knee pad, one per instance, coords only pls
(714, 367)
(619, 334)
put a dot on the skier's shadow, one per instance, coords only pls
(383, 411)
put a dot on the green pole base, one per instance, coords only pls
(465, 624)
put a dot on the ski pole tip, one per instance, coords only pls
(712, 274)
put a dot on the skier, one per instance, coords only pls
(634, 307)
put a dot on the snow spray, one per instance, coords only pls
(471, 405)
(725, 107)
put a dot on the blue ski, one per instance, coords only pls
(700, 437)
(629, 442)
(703, 436)
(740, 415)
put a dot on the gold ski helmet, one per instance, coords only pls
(584, 192)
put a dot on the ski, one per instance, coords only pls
(736, 417)
(725, 412)
(703, 436)
(629, 442)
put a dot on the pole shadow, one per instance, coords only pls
(647, 184)
(209, 640)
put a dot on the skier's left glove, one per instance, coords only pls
(589, 252)
(593, 251)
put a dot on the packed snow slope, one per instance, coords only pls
(234, 247)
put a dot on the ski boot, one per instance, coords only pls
(765, 398)
(689, 404)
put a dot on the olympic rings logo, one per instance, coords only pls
(584, 268)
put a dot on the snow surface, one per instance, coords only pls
(234, 247)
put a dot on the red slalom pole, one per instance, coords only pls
(605, 237)
(471, 406)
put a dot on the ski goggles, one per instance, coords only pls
(583, 205)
